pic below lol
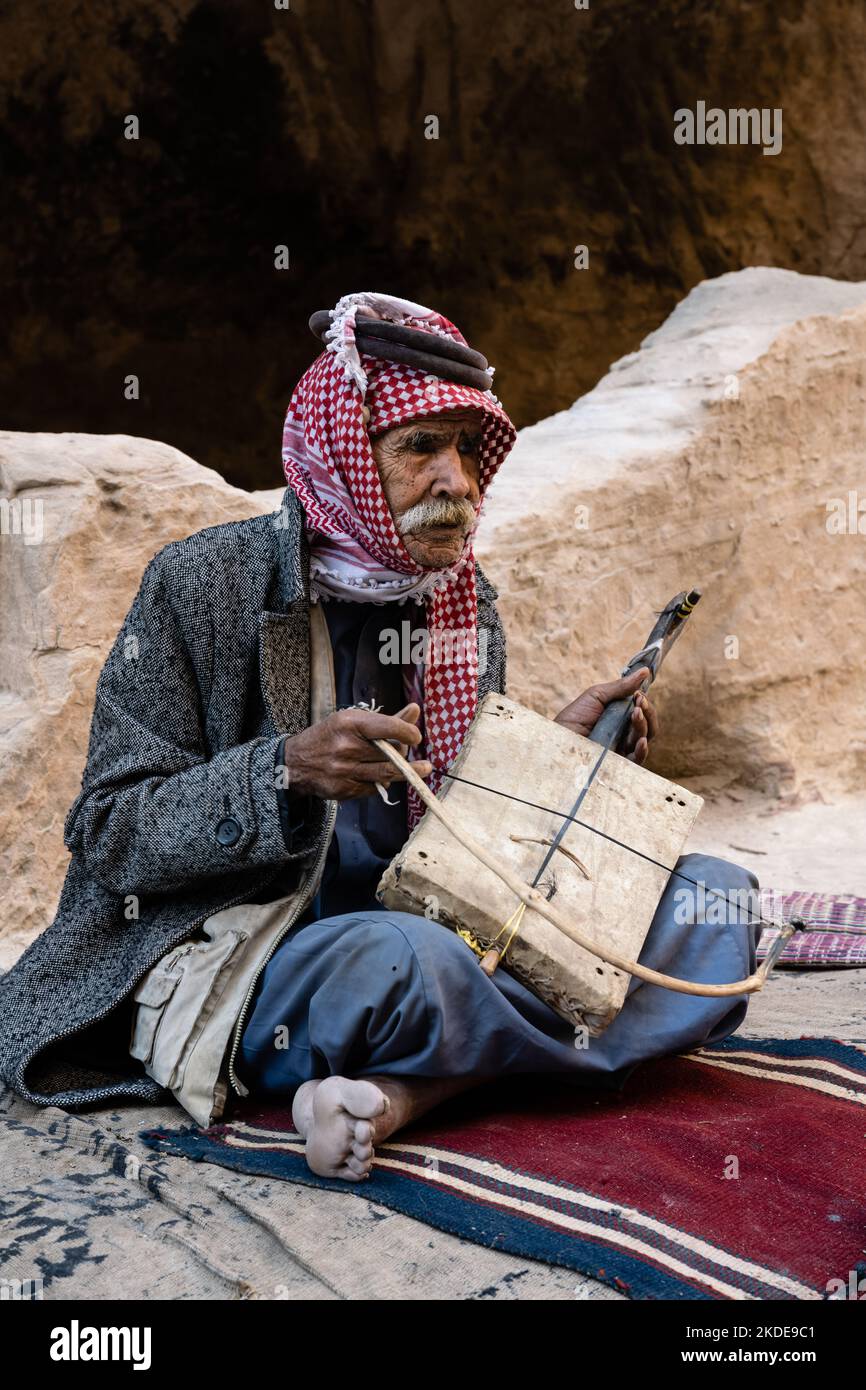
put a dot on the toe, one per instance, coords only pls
(362, 1151)
(356, 1174)
(365, 1100)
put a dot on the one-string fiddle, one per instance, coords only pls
(608, 733)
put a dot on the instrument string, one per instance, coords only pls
(557, 839)
(567, 816)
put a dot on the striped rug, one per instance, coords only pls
(836, 932)
(733, 1172)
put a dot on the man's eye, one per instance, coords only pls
(471, 444)
(421, 443)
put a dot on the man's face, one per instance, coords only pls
(430, 475)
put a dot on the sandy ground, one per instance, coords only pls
(819, 846)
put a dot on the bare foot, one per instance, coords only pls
(341, 1119)
(335, 1117)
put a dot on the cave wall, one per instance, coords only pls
(305, 126)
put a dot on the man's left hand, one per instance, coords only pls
(582, 715)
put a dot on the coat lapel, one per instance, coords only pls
(284, 667)
(284, 632)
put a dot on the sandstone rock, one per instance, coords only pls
(709, 458)
(108, 503)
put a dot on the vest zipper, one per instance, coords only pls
(304, 898)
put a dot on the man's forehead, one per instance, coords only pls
(447, 419)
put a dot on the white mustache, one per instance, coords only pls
(441, 511)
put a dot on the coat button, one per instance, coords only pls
(228, 832)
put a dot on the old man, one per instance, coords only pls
(219, 929)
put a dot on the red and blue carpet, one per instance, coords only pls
(733, 1172)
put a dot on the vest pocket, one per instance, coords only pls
(208, 972)
(190, 1002)
(152, 995)
(175, 1000)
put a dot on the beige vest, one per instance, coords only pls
(192, 1005)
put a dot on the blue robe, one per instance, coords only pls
(357, 990)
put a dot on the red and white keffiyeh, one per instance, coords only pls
(356, 550)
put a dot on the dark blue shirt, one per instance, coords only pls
(367, 833)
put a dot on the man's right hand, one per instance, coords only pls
(334, 759)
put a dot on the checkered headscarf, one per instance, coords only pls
(354, 542)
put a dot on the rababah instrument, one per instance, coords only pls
(548, 852)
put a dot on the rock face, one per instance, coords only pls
(82, 516)
(727, 453)
(709, 457)
(306, 126)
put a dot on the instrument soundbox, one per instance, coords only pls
(550, 851)
(598, 883)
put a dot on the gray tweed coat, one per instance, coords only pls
(178, 814)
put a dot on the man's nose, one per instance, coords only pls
(451, 478)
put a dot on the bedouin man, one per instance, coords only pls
(220, 793)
